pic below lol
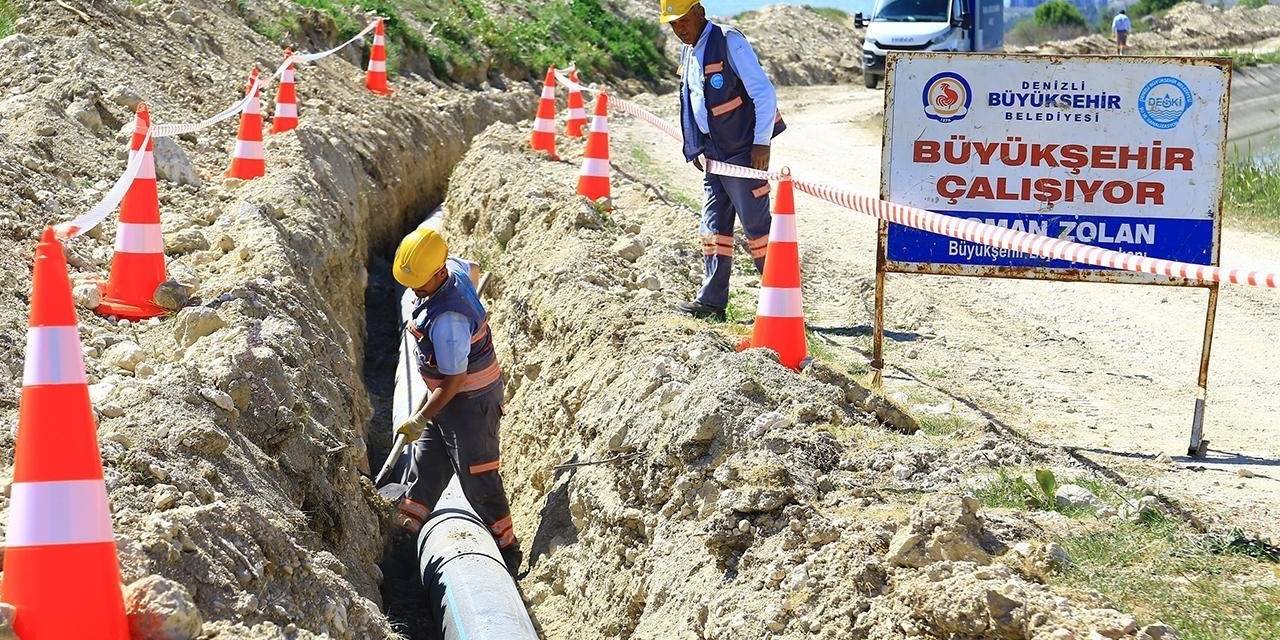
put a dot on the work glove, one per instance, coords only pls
(412, 428)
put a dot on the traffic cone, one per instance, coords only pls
(247, 159)
(577, 113)
(779, 317)
(593, 179)
(138, 265)
(544, 123)
(286, 118)
(376, 78)
(61, 572)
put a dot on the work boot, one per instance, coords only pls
(513, 556)
(699, 310)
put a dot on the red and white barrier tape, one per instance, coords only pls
(970, 230)
(98, 212)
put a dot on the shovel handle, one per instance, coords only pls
(392, 456)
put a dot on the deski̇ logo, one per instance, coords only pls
(1163, 102)
(946, 97)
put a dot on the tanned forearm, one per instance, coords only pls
(435, 401)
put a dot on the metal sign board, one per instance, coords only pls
(1125, 153)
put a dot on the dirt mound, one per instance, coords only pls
(1189, 27)
(232, 434)
(799, 47)
(709, 493)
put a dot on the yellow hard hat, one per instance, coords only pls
(420, 255)
(674, 9)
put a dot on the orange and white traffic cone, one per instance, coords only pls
(247, 159)
(286, 118)
(61, 571)
(577, 111)
(779, 317)
(593, 179)
(376, 78)
(544, 123)
(138, 265)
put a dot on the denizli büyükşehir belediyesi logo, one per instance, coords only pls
(946, 97)
(1163, 102)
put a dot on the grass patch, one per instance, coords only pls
(1241, 59)
(1251, 194)
(460, 38)
(1012, 491)
(1159, 570)
(8, 16)
(942, 426)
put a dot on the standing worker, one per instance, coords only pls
(1120, 25)
(729, 113)
(456, 427)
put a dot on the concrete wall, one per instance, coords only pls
(1255, 111)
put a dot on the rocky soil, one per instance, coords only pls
(232, 432)
(1187, 28)
(717, 494)
(800, 47)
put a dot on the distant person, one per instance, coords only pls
(1120, 24)
(729, 113)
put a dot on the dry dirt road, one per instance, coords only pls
(1107, 371)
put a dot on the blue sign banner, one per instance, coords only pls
(1182, 240)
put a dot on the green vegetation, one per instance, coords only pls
(1058, 13)
(1159, 570)
(1053, 20)
(8, 16)
(460, 38)
(1011, 491)
(1253, 4)
(1251, 194)
(1249, 59)
(1148, 7)
(942, 426)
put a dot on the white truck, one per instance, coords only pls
(927, 25)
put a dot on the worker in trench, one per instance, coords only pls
(729, 113)
(455, 429)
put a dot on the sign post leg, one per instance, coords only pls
(877, 329)
(1199, 445)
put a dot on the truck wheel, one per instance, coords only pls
(869, 80)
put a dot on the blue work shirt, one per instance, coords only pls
(1120, 22)
(451, 335)
(747, 66)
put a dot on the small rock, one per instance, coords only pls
(172, 294)
(125, 97)
(172, 163)
(1150, 504)
(110, 410)
(144, 370)
(161, 609)
(85, 111)
(1057, 554)
(181, 16)
(219, 398)
(87, 296)
(186, 241)
(1157, 632)
(195, 323)
(1245, 472)
(650, 282)
(1078, 497)
(7, 611)
(166, 496)
(1164, 458)
(125, 355)
(1120, 627)
(629, 249)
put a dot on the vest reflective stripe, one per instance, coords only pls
(727, 107)
(484, 467)
(717, 245)
(475, 381)
(713, 67)
(63, 512)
